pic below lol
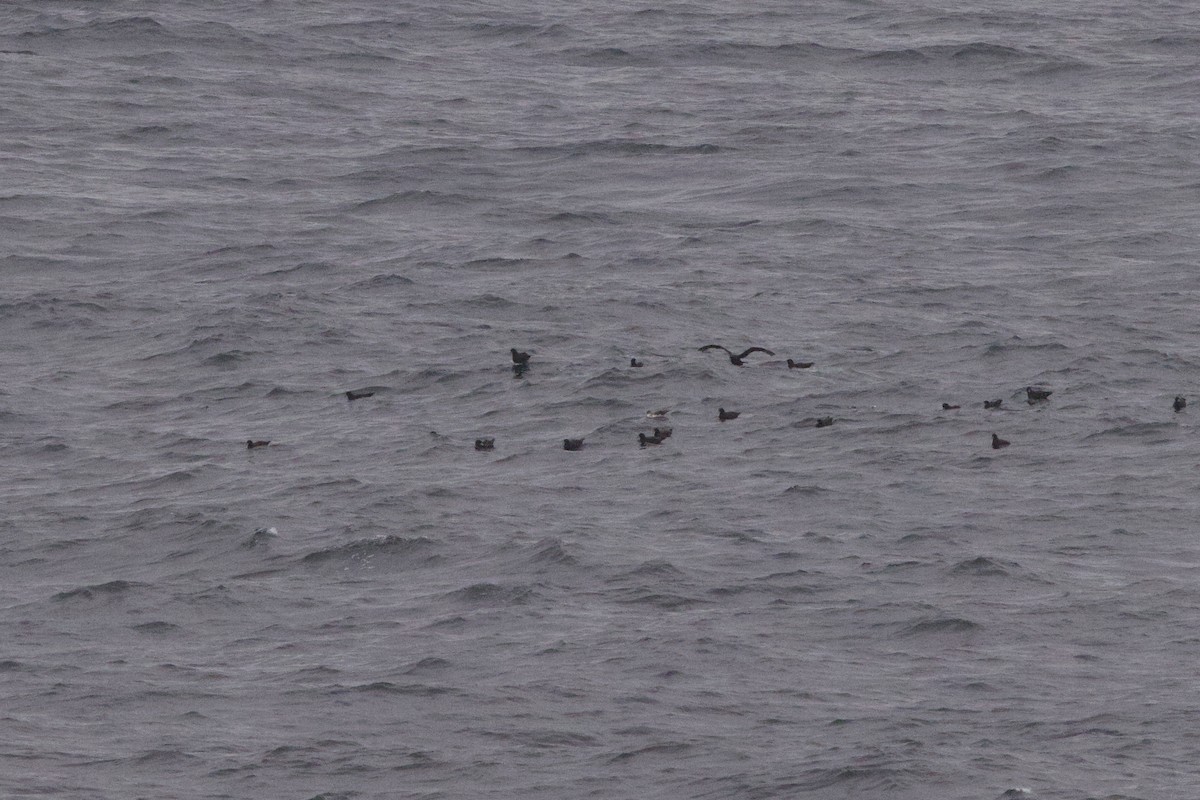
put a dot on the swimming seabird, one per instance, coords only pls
(662, 433)
(644, 440)
(824, 422)
(633, 362)
(997, 442)
(659, 414)
(992, 403)
(736, 360)
(519, 358)
(948, 407)
(253, 443)
(797, 364)
(1180, 403)
(1035, 395)
(572, 444)
(485, 444)
(723, 415)
(353, 395)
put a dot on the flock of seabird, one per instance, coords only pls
(520, 362)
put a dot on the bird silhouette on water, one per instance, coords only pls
(353, 395)
(633, 362)
(736, 360)
(485, 444)
(252, 444)
(997, 442)
(724, 415)
(1180, 403)
(797, 364)
(644, 440)
(1037, 395)
(519, 358)
(662, 433)
(948, 407)
(572, 444)
(824, 422)
(992, 403)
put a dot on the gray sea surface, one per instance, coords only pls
(216, 218)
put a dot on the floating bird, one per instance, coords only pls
(353, 395)
(633, 362)
(1180, 403)
(519, 358)
(644, 440)
(660, 414)
(736, 360)
(253, 443)
(797, 364)
(723, 415)
(948, 407)
(1036, 395)
(485, 444)
(997, 442)
(662, 433)
(992, 403)
(572, 444)
(824, 422)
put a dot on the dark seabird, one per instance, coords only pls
(644, 440)
(948, 407)
(633, 362)
(659, 414)
(253, 443)
(572, 444)
(797, 364)
(662, 433)
(519, 358)
(1180, 403)
(824, 422)
(997, 442)
(485, 444)
(992, 403)
(1037, 394)
(736, 360)
(723, 415)
(353, 395)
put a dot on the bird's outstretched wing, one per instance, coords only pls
(715, 347)
(754, 350)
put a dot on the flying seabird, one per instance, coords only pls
(736, 360)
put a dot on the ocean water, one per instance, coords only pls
(215, 219)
